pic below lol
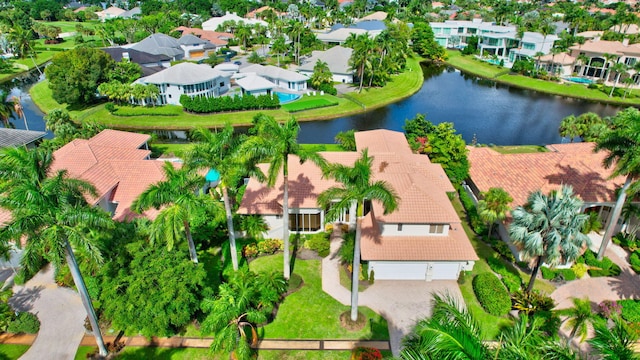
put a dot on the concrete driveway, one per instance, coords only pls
(402, 303)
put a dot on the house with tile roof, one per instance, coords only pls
(282, 78)
(339, 36)
(214, 37)
(117, 164)
(16, 137)
(149, 63)
(598, 65)
(195, 48)
(572, 164)
(111, 12)
(422, 240)
(160, 44)
(214, 23)
(188, 79)
(336, 58)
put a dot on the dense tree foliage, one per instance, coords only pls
(65, 129)
(424, 43)
(441, 143)
(150, 290)
(74, 75)
(202, 104)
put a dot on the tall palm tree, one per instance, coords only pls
(548, 228)
(177, 198)
(579, 317)
(357, 187)
(51, 211)
(494, 206)
(274, 143)
(617, 68)
(450, 333)
(360, 59)
(522, 340)
(220, 151)
(17, 107)
(614, 343)
(623, 145)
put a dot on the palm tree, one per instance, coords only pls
(623, 145)
(220, 151)
(522, 340)
(494, 206)
(615, 343)
(579, 317)
(274, 142)
(357, 188)
(618, 68)
(548, 228)
(279, 47)
(53, 214)
(360, 59)
(450, 333)
(177, 197)
(6, 113)
(608, 58)
(17, 107)
(569, 127)
(295, 30)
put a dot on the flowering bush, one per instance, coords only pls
(609, 309)
(270, 246)
(365, 353)
(250, 250)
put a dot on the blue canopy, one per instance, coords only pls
(212, 176)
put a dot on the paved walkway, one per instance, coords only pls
(401, 303)
(60, 312)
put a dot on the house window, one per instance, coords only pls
(436, 229)
(304, 222)
(399, 227)
(169, 96)
(630, 61)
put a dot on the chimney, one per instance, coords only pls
(625, 42)
(125, 55)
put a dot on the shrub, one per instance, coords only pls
(110, 107)
(24, 323)
(634, 261)
(478, 226)
(250, 250)
(491, 294)
(604, 267)
(328, 89)
(203, 104)
(630, 310)
(365, 353)
(547, 273)
(579, 269)
(609, 309)
(565, 274)
(270, 246)
(346, 249)
(319, 243)
(511, 279)
(532, 302)
(550, 322)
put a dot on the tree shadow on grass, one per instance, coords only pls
(159, 353)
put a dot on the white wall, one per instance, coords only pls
(391, 229)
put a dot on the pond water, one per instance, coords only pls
(481, 110)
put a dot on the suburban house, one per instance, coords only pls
(572, 164)
(597, 64)
(257, 13)
(189, 79)
(149, 63)
(456, 33)
(559, 64)
(160, 44)
(17, 138)
(336, 58)
(528, 47)
(422, 240)
(111, 12)
(282, 78)
(214, 23)
(117, 164)
(339, 36)
(196, 48)
(255, 85)
(214, 37)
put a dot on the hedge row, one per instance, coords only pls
(491, 294)
(558, 274)
(510, 278)
(203, 104)
(604, 267)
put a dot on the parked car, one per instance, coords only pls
(238, 62)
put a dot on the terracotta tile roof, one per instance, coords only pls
(214, 37)
(455, 246)
(572, 164)
(119, 139)
(607, 47)
(421, 186)
(562, 59)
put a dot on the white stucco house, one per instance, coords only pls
(422, 240)
(255, 85)
(213, 24)
(282, 78)
(190, 79)
(336, 58)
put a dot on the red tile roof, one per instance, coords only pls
(214, 37)
(572, 164)
(421, 186)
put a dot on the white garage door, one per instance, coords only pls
(398, 270)
(445, 271)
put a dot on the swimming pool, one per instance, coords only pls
(579, 80)
(493, 61)
(287, 98)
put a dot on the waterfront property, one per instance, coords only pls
(16, 138)
(188, 79)
(422, 240)
(195, 48)
(600, 55)
(149, 63)
(337, 60)
(160, 44)
(282, 78)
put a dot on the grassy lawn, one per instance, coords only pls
(519, 149)
(310, 313)
(308, 103)
(11, 351)
(472, 65)
(70, 26)
(20, 65)
(401, 86)
(489, 324)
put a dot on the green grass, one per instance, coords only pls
(70, 26)
(11, 351)
(308, 103)
(470, 64)
(170, 150)
(310, 313)
(167, 110)
(401, 86)
(519, 149)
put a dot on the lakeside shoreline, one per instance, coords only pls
(572, 91)
(400, 87)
